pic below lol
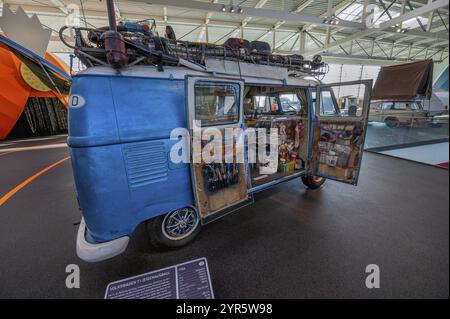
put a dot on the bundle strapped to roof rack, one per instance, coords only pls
(143, 45)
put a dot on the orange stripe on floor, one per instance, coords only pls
(29, 180)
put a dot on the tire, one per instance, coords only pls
(392, 122)
(313, 182)
(162, 230)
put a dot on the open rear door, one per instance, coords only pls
(341, 113)
(219, 169)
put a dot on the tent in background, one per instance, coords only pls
(404, 82)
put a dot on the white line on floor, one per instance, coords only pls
(430, 154)
(30, 148)
(35, 139)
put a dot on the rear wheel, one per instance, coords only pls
(175, 229)
(392, 122)
(313, 182)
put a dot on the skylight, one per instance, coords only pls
(413, 23)
(351, 13)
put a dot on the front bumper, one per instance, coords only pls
(440, 120)
(101, 251)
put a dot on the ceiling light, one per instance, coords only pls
(240, 10)
(232, 9)
(331, 20)
(224, 8)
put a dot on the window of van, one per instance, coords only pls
(290, 103)
(375, 106)
(217, 103)
(327, 106)
(260, 102)
(406, 106)
(266, 104)
(388, 106)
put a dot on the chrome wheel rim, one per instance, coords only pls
(317, 179)
(180, 223)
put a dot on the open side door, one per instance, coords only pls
(219, 168)
(341, 114)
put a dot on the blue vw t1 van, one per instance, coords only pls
(120, 144)
(140, 90)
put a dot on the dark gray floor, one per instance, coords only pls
(292, 243)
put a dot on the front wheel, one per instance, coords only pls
(313, 182)
(175, 229)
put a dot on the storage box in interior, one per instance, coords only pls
(325, 146)
(287, 167)
(342, 160)
(341, 148)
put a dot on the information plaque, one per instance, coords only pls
(190, 280)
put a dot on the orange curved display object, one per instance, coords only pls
(14, 91)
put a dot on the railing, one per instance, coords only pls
(392, 131)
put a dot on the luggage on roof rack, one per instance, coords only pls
(143, 45)
(260, 47)
(237, 43)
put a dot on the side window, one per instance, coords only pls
(274, 107)
(260, 102)
(266, 104)
(217, 103)
(327, 106)
(290, 103)
(375, 106)
(313, 100)
(388, 106)
(342, 100)
(402, 106)
(417, 105)
(407, 106)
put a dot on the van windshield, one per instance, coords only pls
(290, 103)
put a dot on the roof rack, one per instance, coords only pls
(143, 45)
